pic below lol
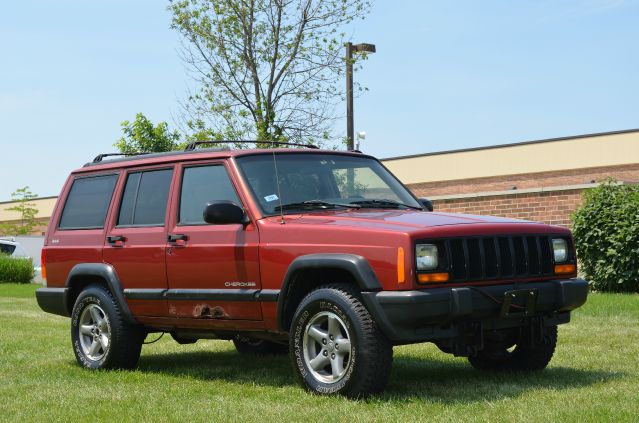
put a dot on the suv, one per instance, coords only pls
(323, 254)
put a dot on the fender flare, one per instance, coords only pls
(107, 273)
(356, 265)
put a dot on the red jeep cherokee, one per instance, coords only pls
(321, 253)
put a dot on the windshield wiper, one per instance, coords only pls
(384, 204)
(314, 204)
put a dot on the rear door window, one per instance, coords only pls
(202, 185)
(145, 198)
(7, 248)
(87, 203)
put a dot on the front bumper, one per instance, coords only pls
(434, 314)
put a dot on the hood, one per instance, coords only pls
(406, 220)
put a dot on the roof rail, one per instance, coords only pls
(194, 144)
(99, 157)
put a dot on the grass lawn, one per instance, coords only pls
(593, 377)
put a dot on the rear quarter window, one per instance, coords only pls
(87, 203)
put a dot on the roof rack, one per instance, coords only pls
(100, 157)
(147, 155)
(193, 145)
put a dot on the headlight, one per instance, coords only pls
(426, 256)
(560, 249)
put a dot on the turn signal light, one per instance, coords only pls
(401, 275)
(432, 277)
(565, 269)
(43, 264)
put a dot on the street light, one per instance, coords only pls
(350, 49)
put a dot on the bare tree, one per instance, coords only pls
(266, 69)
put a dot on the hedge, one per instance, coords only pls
(606, 232)
(16, 270)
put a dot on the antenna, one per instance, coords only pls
(279, 194)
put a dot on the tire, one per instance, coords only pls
(333, 317)
(246, 345)
(521, 358)
(99, 336)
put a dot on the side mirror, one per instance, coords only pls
(426, 204)
(224, 212)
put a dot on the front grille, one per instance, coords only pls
(499, 257)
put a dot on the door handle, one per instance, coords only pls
(178, 239)
(117, 240)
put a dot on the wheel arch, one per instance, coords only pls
(307, 272)
(84, 274)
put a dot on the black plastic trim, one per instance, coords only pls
(53, 300)
(144, 294)
(266, 295)
(419, 315)
(356, 265)
(107, 273)
(212, 294)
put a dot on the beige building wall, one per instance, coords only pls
(44, 205)
(579, 152)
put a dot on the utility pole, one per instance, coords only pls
(350, 131)
(350, 127)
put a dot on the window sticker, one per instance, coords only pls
(271, 197)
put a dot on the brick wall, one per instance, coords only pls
(553, 207)
(549, 207)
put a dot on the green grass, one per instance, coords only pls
(593, 377)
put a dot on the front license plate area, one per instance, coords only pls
(519, 303)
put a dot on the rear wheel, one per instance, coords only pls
(335, 345)
(246, 345)
(100, 337)
(517, 357)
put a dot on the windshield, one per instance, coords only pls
(321, 181)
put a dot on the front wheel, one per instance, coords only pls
(335, 345)
(518, 357)
(100, 337)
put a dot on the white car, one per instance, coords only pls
(12, 247)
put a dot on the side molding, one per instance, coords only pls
(355, 265)
(105, 272)
(264, 295)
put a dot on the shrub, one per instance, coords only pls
(606, 231)
(18, 270)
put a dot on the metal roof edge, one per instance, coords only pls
(515, 144)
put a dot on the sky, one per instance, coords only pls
(446, 75)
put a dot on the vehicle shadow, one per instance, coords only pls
(457, 382)
(437, 381)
